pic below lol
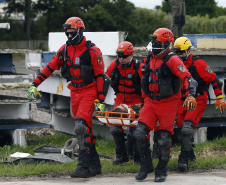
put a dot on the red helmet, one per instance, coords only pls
(125, 47)
(162, 35)
(74, 22)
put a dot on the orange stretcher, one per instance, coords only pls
(120, 119)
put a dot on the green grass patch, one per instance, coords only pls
(210, 155)
(18, 56)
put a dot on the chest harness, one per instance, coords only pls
(168, 83)
(116, 77)
(202, 85)
(83, 62)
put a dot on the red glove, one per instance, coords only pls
(190, 103)
(220, 103)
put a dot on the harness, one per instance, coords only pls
(116, 77)
(168, 83)
(83, 62)
(202, 85)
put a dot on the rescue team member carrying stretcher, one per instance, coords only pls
(125, 74)
(82, 64)
(187, 121)
(164, 75)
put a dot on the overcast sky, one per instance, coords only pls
(150, 4)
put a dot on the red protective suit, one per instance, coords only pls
(82, 98)
(126, 89)
(207, 75)
(163, 110)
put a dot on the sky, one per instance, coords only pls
(150, 4)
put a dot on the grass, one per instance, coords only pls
(210, 155)
(18, 56)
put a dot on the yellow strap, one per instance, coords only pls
(39, 94)
(219, 97)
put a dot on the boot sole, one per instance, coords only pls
(182, 167)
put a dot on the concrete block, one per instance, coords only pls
(211, 43)
(19, 137)
(200, 135)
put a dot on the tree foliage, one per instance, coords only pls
(44, 16)
(200, 7)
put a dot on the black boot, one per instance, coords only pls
(80, 173)
(130, 144)
(136, 155)
(164, 143)
(143, 147)
(121, 153)
(155, 153)
(183, 160)
(186, 145)
(192, 155)
(81, 130)
(95, 166)
(82, 170)
(161, 171)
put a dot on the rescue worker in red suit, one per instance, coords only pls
(164, 75)
(125, 74)
(82, 64)
(187, 121)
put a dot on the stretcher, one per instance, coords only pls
(119, 119)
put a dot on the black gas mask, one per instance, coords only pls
(76, 37)
(159, 47)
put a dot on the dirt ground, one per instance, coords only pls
(205, 178)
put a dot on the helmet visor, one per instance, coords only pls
(178, 51)
(72, 33)
(121, 54)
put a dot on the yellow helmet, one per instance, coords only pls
(183, 43)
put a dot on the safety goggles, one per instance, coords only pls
(178, 51)
(73, 33)
(121, 54)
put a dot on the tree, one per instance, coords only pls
(194, 7)
(24, 7)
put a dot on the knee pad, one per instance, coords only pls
(141, 132)
(187, 128)
(186, 136)
(115, 131)
(164, 142)
(80, 126)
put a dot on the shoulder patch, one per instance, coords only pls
(181, 68)
(99, 60)
(209, 70)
